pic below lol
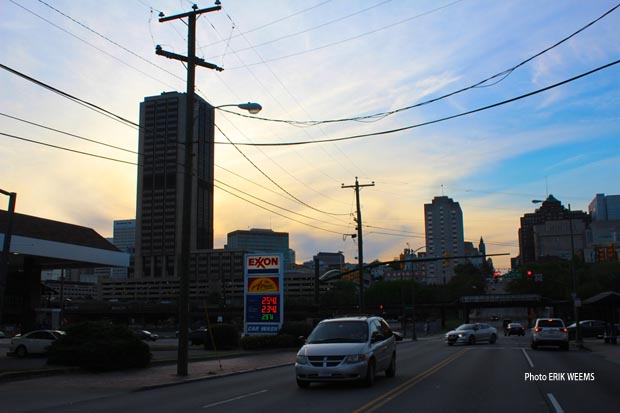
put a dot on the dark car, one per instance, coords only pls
(146, 335)
(198, 336)
(588, 329)
(515, 328)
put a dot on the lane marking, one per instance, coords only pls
(529, 360)
(243, 396)
(380, 401)
(554, 402)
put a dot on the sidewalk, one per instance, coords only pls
(161, 373)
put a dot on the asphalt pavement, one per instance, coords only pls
(203, 365)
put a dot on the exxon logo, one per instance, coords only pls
(263, 262)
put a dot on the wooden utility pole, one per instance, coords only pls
(184, 255)
(360, 246)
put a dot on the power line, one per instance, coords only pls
(307, 30)
(381, 115)
(267, 24)
(271, 179)
(90, 44)
(351, 38)
(480, 109)
(69, 134)
(66, 149)
(279, 214)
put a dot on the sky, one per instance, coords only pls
(317, 60)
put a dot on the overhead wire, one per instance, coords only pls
(418, 125)
(483, 83)
(350, 38)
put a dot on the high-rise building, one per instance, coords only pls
(160, 195)
(260, 240)
(444, 238)
(551, 231)
(605, 208)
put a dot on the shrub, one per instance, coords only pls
(99, 346)
(222, 337)
(262, 342)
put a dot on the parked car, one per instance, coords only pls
(588, 329)
(471, 334)
(347, 349)
(147, 335)
(515, 328)
(198, 336)
(549, 331)
(34, 342)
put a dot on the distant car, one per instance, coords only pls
(347, 349)
(198, 336)
(588, 329)
(549, 331)
(34, 342)
(515, 328)
(471, 334)
(2, 335)
(494, 317)
(147, 335)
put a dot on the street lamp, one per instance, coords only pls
(251, 107)
(578, 340)
(6, 247)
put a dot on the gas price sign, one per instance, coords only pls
(264, 293)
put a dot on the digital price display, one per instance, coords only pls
(263, 308)
(264, 293)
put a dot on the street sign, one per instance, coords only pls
(263, 293)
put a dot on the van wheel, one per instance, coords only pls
(370, 373)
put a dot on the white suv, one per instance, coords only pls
(347, 349)
(549, 331)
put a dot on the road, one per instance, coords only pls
(431, 377)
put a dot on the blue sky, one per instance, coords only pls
(320, 60)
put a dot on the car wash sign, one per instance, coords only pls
(263, 293)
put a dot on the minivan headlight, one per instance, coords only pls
(355, 358)
(302, 359)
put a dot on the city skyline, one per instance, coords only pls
(321, 61)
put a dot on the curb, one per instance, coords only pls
(204, 378)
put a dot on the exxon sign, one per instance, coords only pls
(263, 264)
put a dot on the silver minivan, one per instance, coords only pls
(347, 349)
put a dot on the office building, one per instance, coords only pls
(552, 231)
(605, 208)
(261, 240)
(444, 238)
(160, 194)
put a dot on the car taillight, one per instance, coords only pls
(565, 330)
(537, 330)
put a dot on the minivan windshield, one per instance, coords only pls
(339, 332)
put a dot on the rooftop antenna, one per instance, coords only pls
(442, 190)
(547, 186)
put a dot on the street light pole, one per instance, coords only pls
(578, 340)
(6, 247)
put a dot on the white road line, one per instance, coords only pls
(243, 396)
(529, 360)
(554, 402)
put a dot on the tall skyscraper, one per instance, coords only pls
(444, 238)
(160, 183)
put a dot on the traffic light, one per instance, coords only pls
(529, 273)
(381, 307)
